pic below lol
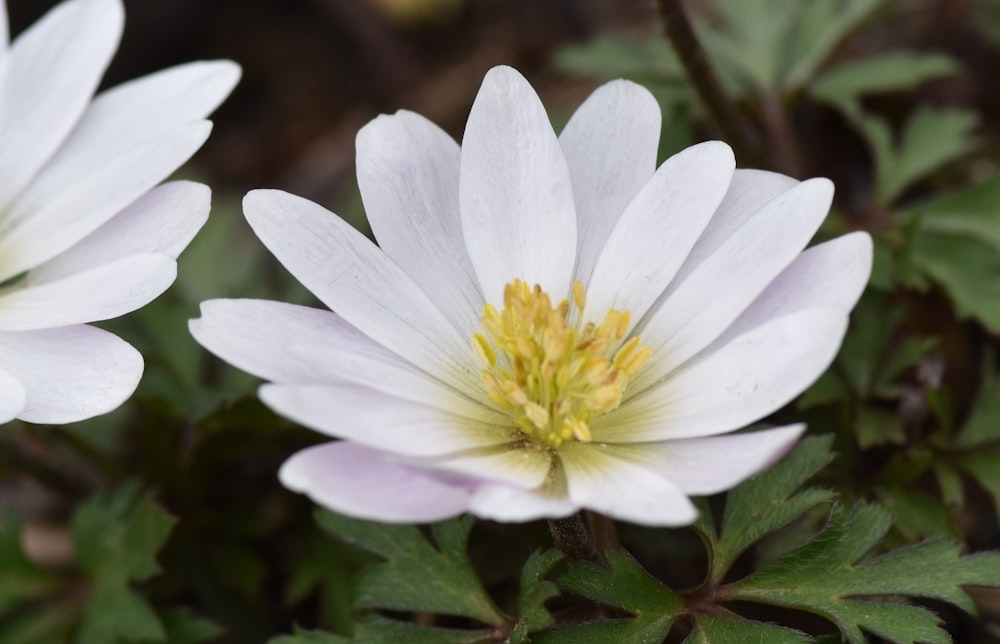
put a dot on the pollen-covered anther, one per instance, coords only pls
(551, 371)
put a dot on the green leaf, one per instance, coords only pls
(623, 585)
(824, 577)
(777, 46)
(20, 580)
(609, 56)
(309, 637)
(985, 469)
(325, 567)
(379, 630)
(821, 27)
(183, 627)
(950, 484)
(534, 592)
(967, 270)
(416, 576)
(889, 72)
(115, 613)
(874, 426)
(983, 424)
(732, 629)
(766, 503)
(971, 212)
(117, 535)
(930, 139)
(915, 514)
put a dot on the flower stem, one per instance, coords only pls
(22, 451)
(734, 126)
(571, 536)
(604, 531)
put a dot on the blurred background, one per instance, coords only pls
(898, 101)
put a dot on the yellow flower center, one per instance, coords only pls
(553, 376)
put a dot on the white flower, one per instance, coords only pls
(457, 387)
(85, 234)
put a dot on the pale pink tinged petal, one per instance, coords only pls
(44, 224)
(255, 335)
(616, 487)
(610, 146)
(162, 221)
(101, 293)
(698, 309)
(52, 71)
(12, 394)
(507, 503)
(368, 484)
(710, 465)
(382, 422)
(830, 275)
(362, 285)
(516, 196)
(658, 229)
(525, 465)
(408, 176)
(731, 385)
(71, 373)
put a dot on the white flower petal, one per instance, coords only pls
(602, 481)
(44, 224)
(162, 221)
(362, 285)
(698, 309)
(610, 146)
(141, 109)
(321, 348)
(830, 275)
(71, 373)
(393, 376)
(731, 385)
(369, 484)
(52, 71)
(243, 333)
(408, 176)
(382, 422)
(516, 195)
(658, 229)
(498, 502)
(4, 29)
(101, 293)
(710, 465)
(12, 394)
(525, 466)
(749, 191)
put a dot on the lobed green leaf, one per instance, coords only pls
(768, 502)
(416, 575)
(824, 577)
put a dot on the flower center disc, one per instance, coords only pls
(554, 377)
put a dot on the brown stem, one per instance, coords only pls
(785, 154)
(734, 126)
(604, 530)
(571, 536)
(22, 451)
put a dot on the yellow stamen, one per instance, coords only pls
(553, 376)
